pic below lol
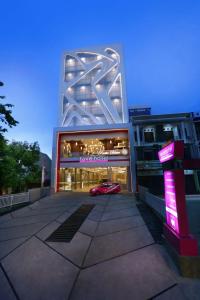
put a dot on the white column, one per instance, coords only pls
(183, 131)
(138, 134)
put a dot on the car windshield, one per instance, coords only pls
(106, 184)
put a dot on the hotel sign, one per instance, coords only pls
(93, 159)
(170, 200)
(176, 229)
(174, 150)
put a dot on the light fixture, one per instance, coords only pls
(97, 102)
(69, 89)
(83, 59)
(99, 57)
(98, 86)
(70, 75)
(84, 102)
(70, 61)
(82, 87)
(76, 143)
(81, 72)
(113, 55)
(110, 141)
(116, 100)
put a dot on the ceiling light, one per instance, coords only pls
(69, 89)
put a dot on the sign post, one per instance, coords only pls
(176, 229)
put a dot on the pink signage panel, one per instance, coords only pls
(170, 200)
(166, 153)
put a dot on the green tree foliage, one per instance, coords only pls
(6, 118)
(20, 169)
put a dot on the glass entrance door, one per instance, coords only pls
(82, 179)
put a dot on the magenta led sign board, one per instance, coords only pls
(170, 200)
(93, 159)
(166, 153)
(172, 151)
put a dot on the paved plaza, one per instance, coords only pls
(112, 256)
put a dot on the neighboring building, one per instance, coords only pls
(150, 133)
(94, 140)
(135, 111)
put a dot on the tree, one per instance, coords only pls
(21, 166)
(6, 118)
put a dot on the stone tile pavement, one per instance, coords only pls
(112, 256)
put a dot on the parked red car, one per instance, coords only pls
(105, 188)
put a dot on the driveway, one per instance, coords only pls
(111, 256)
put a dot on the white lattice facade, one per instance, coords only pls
(93, 91)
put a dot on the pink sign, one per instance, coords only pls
(170, 200)
(93, 159)
(166, 153)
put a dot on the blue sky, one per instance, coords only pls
(161, 42)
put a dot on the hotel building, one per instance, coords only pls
(94, 141)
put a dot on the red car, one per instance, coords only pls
(105, 188)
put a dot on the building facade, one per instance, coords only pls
(153, 131)
(94, 139)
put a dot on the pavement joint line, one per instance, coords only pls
(54, 250)
(19, 237)
(28, 216)
(81, 268)
(162, 292)
(116, 256)
(119, 209)
(122, 230)
(18, 225)
(35, 233)
(117, 218)
(9, 282)
(26, 239)
(87, 234)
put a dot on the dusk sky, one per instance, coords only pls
(160, 39)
